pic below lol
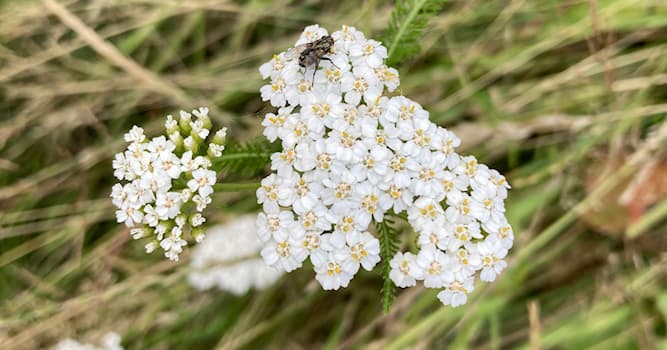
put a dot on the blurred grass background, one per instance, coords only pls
(568, 98)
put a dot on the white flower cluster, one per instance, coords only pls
(350, 155)
(110, 341)
(229, 259)
(169, 181)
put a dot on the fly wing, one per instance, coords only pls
(293, 53)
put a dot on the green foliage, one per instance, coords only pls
(407, 24)
(245, 159)
(389, 242)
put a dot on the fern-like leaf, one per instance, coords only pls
(408, 21)
(246, 159)
(388, 248)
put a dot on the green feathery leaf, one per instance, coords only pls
(388, 248)
(408, 21)
(247, 159)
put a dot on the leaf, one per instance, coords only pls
(407, 24)
(245, 159)
(388, 248)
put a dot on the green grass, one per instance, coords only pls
(568, 98)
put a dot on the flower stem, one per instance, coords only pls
(234, 187)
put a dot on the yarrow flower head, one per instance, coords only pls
(352, 155)
(229, 259)
(166, 182)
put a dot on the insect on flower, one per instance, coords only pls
(313, 52)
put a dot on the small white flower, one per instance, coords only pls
(136, 134)
(330, 270)
(201, 202)
(203, 181)
(168, 205)
(288, 254)
(274, 122)
(199, 129)
(370, 52)
(130, 216)
(456, 292)
(401, 272)
(436, 267)
(215, 149)
(364, 249)
(492, 253)
(275, 226)
(311, 33)
(122, 168)
(138, 233)
(151, 216)
(275, 92)
(197, 220)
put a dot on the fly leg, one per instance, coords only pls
(330, 61)
(317, 65)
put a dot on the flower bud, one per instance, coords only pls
(220, 137)
(171, 125)
(184, 123)
(198, 234)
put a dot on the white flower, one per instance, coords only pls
(485, 205)
(331, 269)
(274, 122)
(456, 292)
(492, 253)
(199, 129)
(197, 220)
(270, 192)
(401, 272)
(122, 168)
(129, 215)
(364, 249)
(276, 64)
(363, 83)
(151, 216)
(387, 75)
(275, 226)
(346, 37)
(367, 200)
(436, 267)
(168, 205)
(311, 33)
(288, 254)
(321, 111)
(170, 164)
(275, 92)
(350, 155)
(201, 202)
(203, 181)
(154, 199)
(370, 52)
(215, 150)
(160, 146)
(426, 215)
(136, 134)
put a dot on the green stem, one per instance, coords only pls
(401, 30)
(235, 187)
